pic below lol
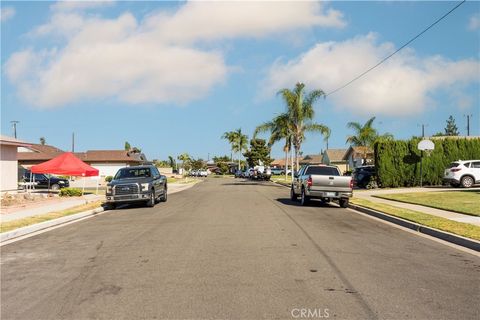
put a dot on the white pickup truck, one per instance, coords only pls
(321, 182)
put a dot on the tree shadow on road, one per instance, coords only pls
(311, 203)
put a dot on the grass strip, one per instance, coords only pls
(12, 225)
(465, 202)
(463, 229)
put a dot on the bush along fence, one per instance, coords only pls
(398, 162)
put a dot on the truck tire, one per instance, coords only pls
(151, 200)
(343, 203)
(293, 196)
(163, 198)
(304, 198)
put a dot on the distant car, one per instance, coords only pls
(239, 174)
(363, 175)
(277, 171)
(202, 173)
(43, 181)
(193, 173)
(463, 173)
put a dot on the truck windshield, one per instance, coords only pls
(127, 173)
(323, 171)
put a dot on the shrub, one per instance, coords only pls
(70, 192)
(398, 162)
(108, 178)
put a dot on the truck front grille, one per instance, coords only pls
(126, 189)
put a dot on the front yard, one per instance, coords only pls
(465, 201)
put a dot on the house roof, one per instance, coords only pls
(46, 152)
(335, 154)
(312, 159)
(278, 162)
(358, 152)
(9, 141)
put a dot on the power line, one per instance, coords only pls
(406, 44)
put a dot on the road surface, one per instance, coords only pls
(235, 249)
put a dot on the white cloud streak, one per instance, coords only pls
(474, 22)
(401, 86)
(152, 61)
(6, 13)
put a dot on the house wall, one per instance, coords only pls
(107, 169)
(8, 168)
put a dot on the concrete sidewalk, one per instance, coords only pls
(369, 195)
(59, 204)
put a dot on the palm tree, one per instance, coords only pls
(171, 162)
(365, 136)
(230, 137)
(279, 129)
(184, 157)
(300, 114)
(238, 142)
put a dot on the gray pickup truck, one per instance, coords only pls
(321, 182)
(137, 184)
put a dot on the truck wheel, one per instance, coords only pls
(304, 199)
(467, 182)
(293, 196)
(164, 196)
(343, 203)
(151, 201)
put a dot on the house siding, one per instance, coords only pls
(8, 168)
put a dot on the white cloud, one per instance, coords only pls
(474, 22)
(150, 61)
(6, 13)
(403, 85)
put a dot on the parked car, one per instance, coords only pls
(463, 173)
(277, 171)
(321, 182)
(43, 181)
(202, 173)
(239, 174)
(137, 184)
(363, 175)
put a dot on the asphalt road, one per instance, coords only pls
(233, 249)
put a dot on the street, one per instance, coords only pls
(235, 249)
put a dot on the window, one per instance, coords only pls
(324, 171)
(475, 165)
(453, 165)
(128, 173)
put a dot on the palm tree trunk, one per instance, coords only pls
(239, 160)
(296, 158)
(286, 164)
(291, 157)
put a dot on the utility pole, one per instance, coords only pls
(73, 141)
(421, 154)
(468, 123)
(14, 124)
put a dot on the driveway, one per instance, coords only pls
(238, 250)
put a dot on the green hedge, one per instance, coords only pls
(398, 162)
(70, 192)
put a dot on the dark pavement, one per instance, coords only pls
(234, 249)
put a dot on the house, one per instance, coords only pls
(358, 156)
(9, 162)
(311, 159)
(106, 161)
(279, 163)
(335, 157)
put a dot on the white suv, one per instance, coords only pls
(465, 173)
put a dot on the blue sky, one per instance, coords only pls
(172, 77)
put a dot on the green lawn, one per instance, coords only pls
(462, 229)
(467, 201)
(281, 179)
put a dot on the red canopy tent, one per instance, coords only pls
(65, 164)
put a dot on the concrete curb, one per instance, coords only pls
(442, 235)
(10, 235)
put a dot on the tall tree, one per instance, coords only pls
(259, 151)
(43, 141)
(300, 115)
(238, 142)
(171, 162)
(451, 128)
(185, 158)
(279, 129)
(365, 135)
(127, 146)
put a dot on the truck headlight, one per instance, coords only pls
(61, 182)
(144, 186)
